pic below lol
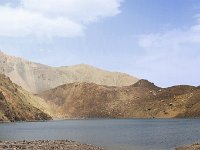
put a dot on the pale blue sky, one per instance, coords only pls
(158, 40)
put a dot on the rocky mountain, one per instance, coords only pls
(36, 77)
(18, 105)
(140, 100)
(84, 91)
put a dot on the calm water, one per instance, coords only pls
(131, 134)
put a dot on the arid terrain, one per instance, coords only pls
(36, 78)
(140, 100)
(18, 105)
(116, 74)
(31, 91)
(93, 93)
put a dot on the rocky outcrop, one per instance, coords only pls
(36, 77)
(145, 84)
(18, 105)
(140, 100)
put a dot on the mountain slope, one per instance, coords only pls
(140, 100)
(17, 104)
(36, 77)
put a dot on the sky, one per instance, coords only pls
(158, 40)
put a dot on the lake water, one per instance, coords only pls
(122, 134)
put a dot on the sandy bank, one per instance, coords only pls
(46, 145)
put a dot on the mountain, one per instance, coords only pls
(36, 77)
(83, 91)
(140, 100)
(18, 105)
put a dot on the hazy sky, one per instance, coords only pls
(158, 40)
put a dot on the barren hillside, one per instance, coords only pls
(36, 77)
(140, 100)
(18, 105)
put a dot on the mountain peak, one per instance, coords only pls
(36, 77)
(145, 83)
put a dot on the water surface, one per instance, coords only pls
(122, 134)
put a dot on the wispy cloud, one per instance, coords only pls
(53, 18)
(172, 54)
(160, 47)
(171, 40)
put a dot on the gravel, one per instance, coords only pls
(46, 145)
(195, 146)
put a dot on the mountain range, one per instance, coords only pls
(32, 91)
(36, 78)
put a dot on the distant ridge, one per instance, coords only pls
(35, 77)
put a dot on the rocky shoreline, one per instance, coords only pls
(195, 146)
(63, 145)
(46, 145)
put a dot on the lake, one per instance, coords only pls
(113, 134)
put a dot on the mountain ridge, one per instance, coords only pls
(35, 77)
(83, 91)
(140, 100)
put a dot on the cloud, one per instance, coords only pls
(172, 39)
(53, 18)
(172, 55)
(171, 44)
(21, 23)
(79, 10)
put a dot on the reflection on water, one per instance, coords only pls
(122, 134)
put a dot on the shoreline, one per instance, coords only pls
(46, 145)
(66, 119)
(195, 146)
